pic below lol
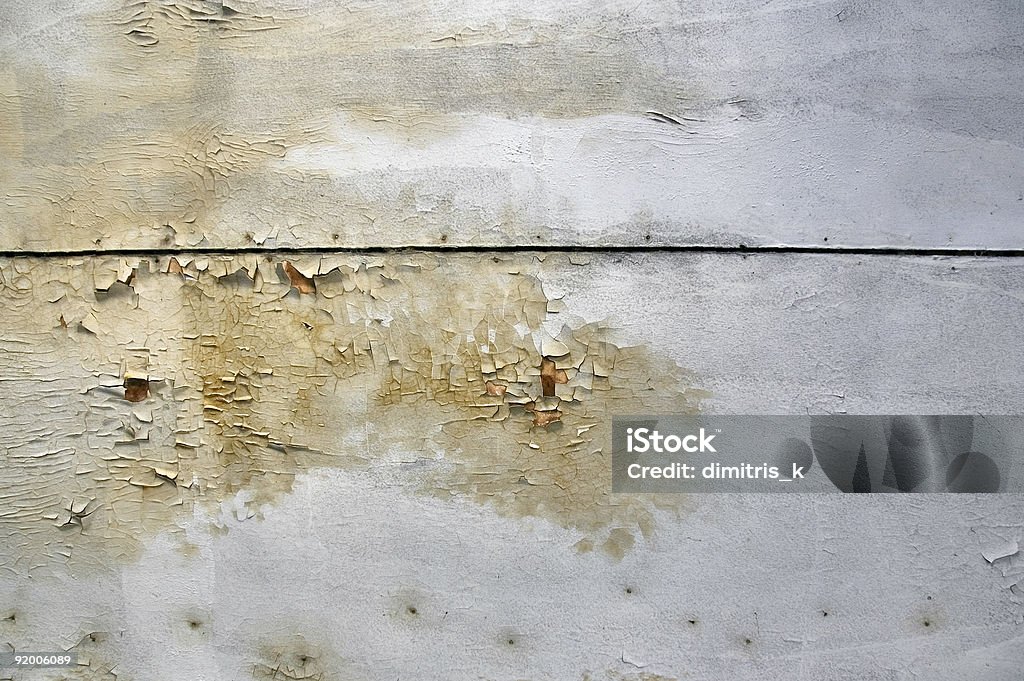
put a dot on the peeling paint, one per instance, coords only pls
(240, 373)
(161, 121)
(295, 466)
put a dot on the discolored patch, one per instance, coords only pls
(97, 652)
(620, 540)
(295, 659)
(299, 281)
(136, 389)
(460, 363)
(162, 123)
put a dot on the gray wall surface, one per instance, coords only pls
(284, 287)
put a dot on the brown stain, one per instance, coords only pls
(548, 374)
(299, 281)
(541, 417)
(86, 482)
(440, 353)
(584, 545)
(556, 467)
(135, 151)
(311, 204)
(254, 365)
(173, 126)
(619, 542)
(136, 389)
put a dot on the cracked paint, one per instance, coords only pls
(288, 466)
(205, 377)
(168, 122)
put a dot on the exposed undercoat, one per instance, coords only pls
(200, 378)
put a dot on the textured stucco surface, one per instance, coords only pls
(393, 463)
(331, 474)
(137, 124)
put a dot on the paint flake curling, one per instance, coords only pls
(228, 384)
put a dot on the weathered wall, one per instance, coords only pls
(336, 465)
(241, 466)
(130, 123)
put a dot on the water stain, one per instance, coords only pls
(448, 360)
(154, 123)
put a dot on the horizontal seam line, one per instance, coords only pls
(536, 248)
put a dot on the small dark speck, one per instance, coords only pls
(927, 623)
(824, 613)
(826, 238)
(335, 236)
(412, 610)
(692, 622)
(193, 624)
(629, 590)
(647, 237)
(444, 237)
(511, 642)
(747, 641)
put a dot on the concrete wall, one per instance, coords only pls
(280, 281)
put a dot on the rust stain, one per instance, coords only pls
(136, 389)
(548, 373)
(299, 281)
(231, 384)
